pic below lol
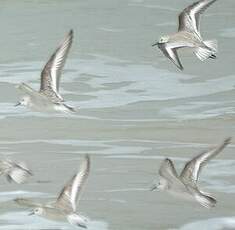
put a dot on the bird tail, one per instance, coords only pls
(71, 109)
(207, 51)
(212, 44)
(206, 200)
(77, 220)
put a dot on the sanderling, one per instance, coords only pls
(188, 35)
(14, 171)
(48, 97)
(185, 185)
(65, 207)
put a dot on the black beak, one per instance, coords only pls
(17, 104)
(31, 213)
(153, 187)
(155, 44)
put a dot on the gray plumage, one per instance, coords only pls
(51, 73)
(185, 185)
(189, 19)
(71, 193)
(189, 35)
(65, 206)
(48, 95)
(15, 171)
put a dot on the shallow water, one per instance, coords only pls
(134, 109)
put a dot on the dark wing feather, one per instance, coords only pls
(17, 172)
(171, 53)
(189, 19)
(191, 171)
(50, 76)
(71, 192)
(27, 203)
(167, 170)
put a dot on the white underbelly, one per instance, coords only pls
(181, 195)
(47, 106)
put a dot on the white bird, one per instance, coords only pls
(15, 171)
(185, 185)
(48, 98)
(188, 35)
(65, 207)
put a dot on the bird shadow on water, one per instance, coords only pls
(22, 221)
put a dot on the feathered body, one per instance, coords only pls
(48, 97)
(185, 185)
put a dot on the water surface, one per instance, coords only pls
(134, 109)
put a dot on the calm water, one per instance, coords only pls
(135, 109)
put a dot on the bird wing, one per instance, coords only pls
(50, 76)
(189, 19)
(167, 171)
(28, 90)
(17, 172)
(27, 203)
(171, 53)
(71, 192)
(23, 166)
(191, 170)
(18, 175)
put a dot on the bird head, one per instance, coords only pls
(162, 40)
(24, 101)
(161, 186)
(37, 211)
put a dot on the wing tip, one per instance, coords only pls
(181, 68)
(227, 140)
(85, 164)
(179, 65)
(167, 162)
(206, 200)
(69, 37)
(17, 200)
(87, 160)
(20, 85)
(167, 159)
(71, 33)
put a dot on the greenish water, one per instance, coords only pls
(135, 109)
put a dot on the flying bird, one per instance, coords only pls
(15, 171)
(185, 185)
(48, 97)
(65, 206)
(188, 35)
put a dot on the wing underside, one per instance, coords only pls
(189, 19)
(193, 167)
(51, 74)
(71, 192)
